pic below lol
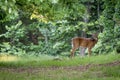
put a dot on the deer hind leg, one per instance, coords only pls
(72, 52)
(74, 47)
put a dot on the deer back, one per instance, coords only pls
(87, 42)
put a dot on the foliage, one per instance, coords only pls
(13, 50)
(9, 9)
(47, 27)
(109, 38)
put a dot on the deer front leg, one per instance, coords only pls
(89, 51)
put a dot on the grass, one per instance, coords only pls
(61, 74)
(49, 68)
(48, 61)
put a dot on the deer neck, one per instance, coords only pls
(94, 39)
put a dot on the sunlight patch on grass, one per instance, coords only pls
(49, 61)
(8, 58)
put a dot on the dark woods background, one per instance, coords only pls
(47, 26)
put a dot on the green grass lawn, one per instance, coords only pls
(101, 67)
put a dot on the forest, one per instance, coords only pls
(33, 32)
(47, 26)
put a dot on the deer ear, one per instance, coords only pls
(95, 34)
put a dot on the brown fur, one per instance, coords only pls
(84, 42)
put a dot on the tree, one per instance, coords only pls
(109, 40)
(47, 26)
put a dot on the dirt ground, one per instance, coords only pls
(39, 69)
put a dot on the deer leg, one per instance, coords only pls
(75, 45)
(89, 51)
(72, 52)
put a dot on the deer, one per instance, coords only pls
(84, 43)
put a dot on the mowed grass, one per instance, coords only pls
(46, 67)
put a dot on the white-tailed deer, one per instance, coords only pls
(84, 43)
